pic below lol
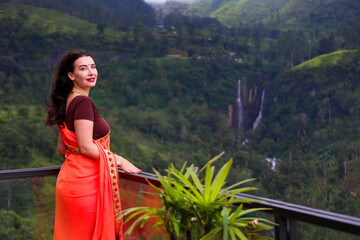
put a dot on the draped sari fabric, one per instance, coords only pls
(88, 202)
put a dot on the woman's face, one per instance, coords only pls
(85, 72)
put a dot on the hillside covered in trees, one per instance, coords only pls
(170, 93)
(318, 17)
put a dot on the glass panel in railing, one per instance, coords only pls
(43, 189)
(27, 208)
(17, 212)
(135, 194)
(310, 231)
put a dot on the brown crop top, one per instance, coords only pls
(81, 107)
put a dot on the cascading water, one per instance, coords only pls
(272, 161)
(240, 106)
(258, 118)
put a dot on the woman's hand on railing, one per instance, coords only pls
(126, 165)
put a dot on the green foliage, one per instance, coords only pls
(119, 13)
(245, 11)
(46, 19)
(14, 227)
(326, 60)
(197, 207)
(38, 32)
(321, 16)
(24, 136)
(313, 119)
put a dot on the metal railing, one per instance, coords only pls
(285, 214)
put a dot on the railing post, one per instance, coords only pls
(292, 229)
(281, 231)
(286, 228)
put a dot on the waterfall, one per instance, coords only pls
(272, 161)
(240, 106)
(258, 118)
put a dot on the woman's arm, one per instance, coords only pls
(84, 136)
(61, 147)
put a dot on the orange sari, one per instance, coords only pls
(87, 194)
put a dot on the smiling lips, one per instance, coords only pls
(91, 79)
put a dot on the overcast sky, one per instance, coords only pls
(162, 1)
(155, 1)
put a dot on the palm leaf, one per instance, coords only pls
(197, 195)
(239, 183)
(238, 233)
(232, 235)
(211, 161)
(211, 234)
(235, 214)
(225, 224)
(207, 187)
(139, 221)
(220, 179)
(188, 171)
(252, 210)
(197, 182)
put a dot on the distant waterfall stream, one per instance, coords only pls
(240, 121)
(272, 162)
(240, 106)
(258, 118)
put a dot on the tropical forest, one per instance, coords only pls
(275, 84)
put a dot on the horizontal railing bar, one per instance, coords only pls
(267, 202)
(29, 172)
(314, 216)
(48, 171)
(143, 177)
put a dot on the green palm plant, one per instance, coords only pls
(200, 208)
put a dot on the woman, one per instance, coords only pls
(87, 192)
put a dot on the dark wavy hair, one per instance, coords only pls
(62, 86)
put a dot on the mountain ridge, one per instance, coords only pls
(117, 13)
(321, 17)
